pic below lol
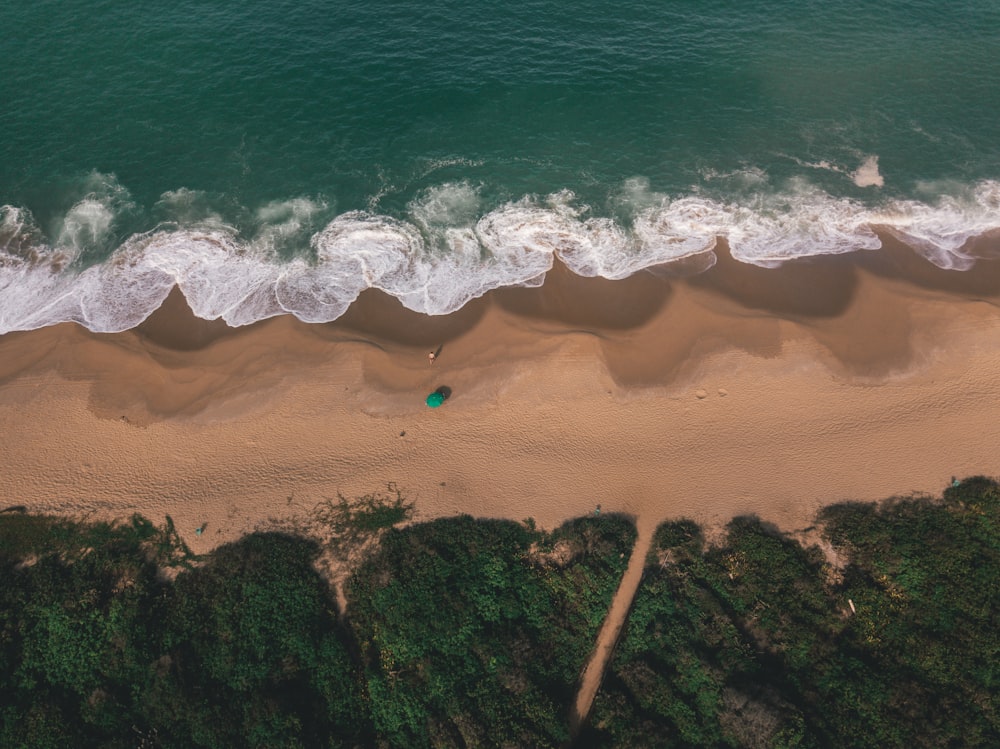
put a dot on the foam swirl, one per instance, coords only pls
(447, 250)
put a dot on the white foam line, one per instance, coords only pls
(446, 255)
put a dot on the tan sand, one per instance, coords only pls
(611, 629)
(740, 390)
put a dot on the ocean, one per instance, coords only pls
(280, 157)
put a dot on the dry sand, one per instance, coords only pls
(735, 391)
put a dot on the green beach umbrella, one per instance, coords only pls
(435, 399)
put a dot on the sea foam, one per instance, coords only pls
(447, 249)
(940, 231)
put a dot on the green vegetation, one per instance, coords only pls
(457, 627)
(754, 642)
(253, 654)
(98, 648)
(475, 632)
(463, 632)
(79, 605)
(23, 536)
(349, 527)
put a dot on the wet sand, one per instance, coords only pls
(737, 390)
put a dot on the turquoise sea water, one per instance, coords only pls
(279, 157)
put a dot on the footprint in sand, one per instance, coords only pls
(701, 394)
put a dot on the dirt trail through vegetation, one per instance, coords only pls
(607, 638)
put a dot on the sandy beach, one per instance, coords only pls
(738, 390)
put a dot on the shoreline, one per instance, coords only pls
(739, 390)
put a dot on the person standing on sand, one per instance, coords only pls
(431, 357)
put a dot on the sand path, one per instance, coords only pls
(611, 629)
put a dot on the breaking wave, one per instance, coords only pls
(449, 248)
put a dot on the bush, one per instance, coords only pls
(754, 643)
(475, 631)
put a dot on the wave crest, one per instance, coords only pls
(444, 254)
(940, 230)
